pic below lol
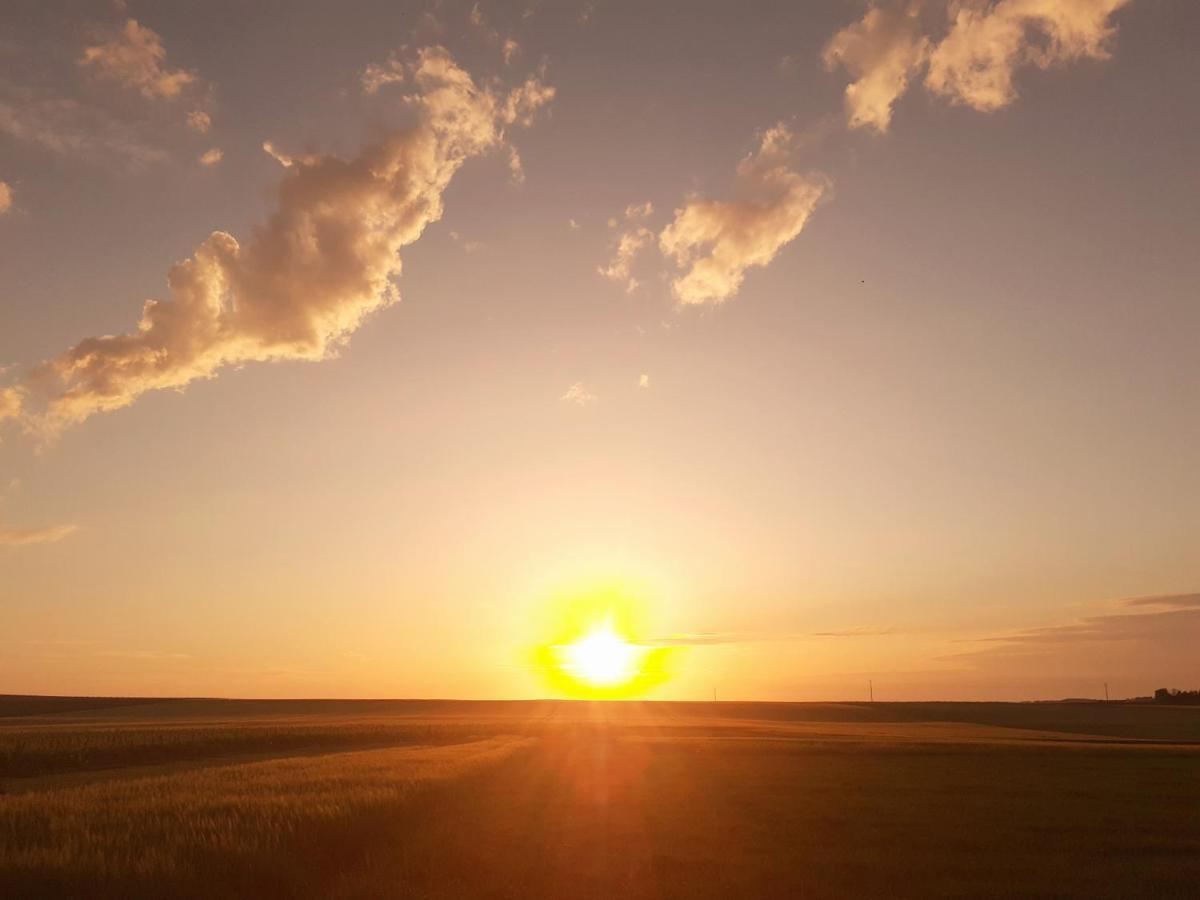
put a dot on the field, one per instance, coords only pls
(197, 798)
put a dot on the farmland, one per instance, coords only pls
(555, 799)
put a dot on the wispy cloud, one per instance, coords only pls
(68, 127)
(306, 280)
(579, 395)
(6, 201)
(631, 240)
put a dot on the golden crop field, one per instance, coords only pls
(631, 800)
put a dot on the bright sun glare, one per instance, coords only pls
(592, 650)
(602, 657)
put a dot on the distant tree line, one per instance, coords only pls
(1164, 695)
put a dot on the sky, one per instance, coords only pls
(855, 342)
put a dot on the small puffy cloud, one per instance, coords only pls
(509, 49)
(973, 58)
(882, 51)
(974, 64)
(573, 224)
(212, 157)
(199, 121)
(6, 201)
(135, 58)
(715, 241)
(21, 537)
(579, 395)
(306, 279)
(639, 210)
(643, 381)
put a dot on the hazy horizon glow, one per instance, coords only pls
(506, 349)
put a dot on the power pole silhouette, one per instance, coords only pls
(1106, 692)
(871, 689)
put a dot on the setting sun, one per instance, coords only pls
(602, 657)
(594, 645)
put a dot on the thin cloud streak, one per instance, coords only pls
(711, 638)
(1170, 620)
(23, 537)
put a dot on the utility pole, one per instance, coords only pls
(871, 688)
(714, 695)
(1106, 692)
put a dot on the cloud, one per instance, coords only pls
(23, 537)
(579, 395)
(1146, 637)
(629, 244)
(1170, 601)
(713, 638)
(67, 127)
(974, 59)
(212, 157)
(715, 241)
(509, 50)
(135, 58)
(18, 537)
(974, 64)
(882, 52)
(11, 401)
(1176, 610)
(199, 121)
(276, 154)
(6, 200)
(643, 381)
(393, 70)
(308, 277)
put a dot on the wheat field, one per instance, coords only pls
(548, 799)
